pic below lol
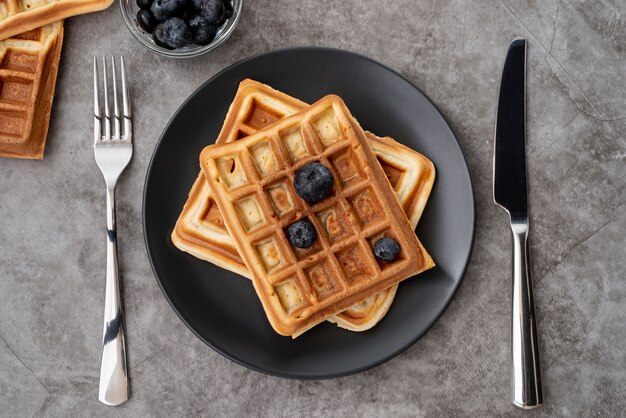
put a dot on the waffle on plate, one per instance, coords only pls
(252, 181)
(28, 69)
(200, 230)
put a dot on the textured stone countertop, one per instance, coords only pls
(52, 256)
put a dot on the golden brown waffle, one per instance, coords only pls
(411, 176)
(252, 182)
(19, 16)
(200, 229)
(28, 71)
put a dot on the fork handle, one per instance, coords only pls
(113, 373)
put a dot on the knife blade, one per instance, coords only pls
(509, 192)
(509, 174)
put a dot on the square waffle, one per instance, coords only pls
(19, 16)
(252, 181)
(200, 228)
(28, 70)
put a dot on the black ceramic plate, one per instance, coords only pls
(222, 308)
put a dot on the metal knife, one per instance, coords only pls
(509, 192)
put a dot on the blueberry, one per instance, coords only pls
(164, 9)
(173, 33)
(144, 4)
(198, 21)
(158, 11)
(386, 249)
(146, 20)
(301, 234)
(313, 182)
(213, 10)
(203, 30)
(175, 7)
(158, 35)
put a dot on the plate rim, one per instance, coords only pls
(269, 371)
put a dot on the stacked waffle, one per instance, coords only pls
(244, 199)
(31, 36)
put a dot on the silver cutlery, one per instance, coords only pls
(509, 192)
(113, 150)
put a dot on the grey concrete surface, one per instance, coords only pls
(51, 215)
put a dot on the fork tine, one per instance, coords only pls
(97, 135)
(107, 115)
(128, 129)
(116, 109)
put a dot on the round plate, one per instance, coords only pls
(222, 308)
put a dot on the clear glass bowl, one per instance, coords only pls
(129, 13)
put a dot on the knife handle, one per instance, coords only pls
(526, 392)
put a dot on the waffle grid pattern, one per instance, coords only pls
(255, 176)
(19, 86)
(26, 70)
(200, 228)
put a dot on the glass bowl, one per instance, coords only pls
(129, 13)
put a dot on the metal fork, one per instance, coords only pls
(113, 152)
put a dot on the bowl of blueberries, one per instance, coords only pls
(181, 28)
